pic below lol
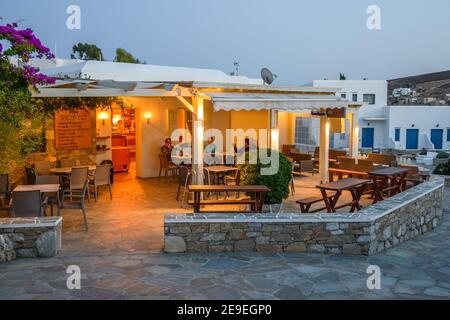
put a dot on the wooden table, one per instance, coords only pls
(43, 188)
(68, 170)
(381, 177)
(217, 170)
(354, 186)
(257, 202)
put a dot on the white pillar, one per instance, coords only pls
(324, 149)
(274, 131)
(354, 135)
(198, 139)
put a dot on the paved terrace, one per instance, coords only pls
(120, 257)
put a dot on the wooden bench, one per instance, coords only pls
(349, 173)
(305, 204)
(256, 202)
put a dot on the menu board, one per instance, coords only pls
(73, 129)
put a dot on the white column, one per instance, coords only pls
(354, 135)
(274, 131)
(198, 139)
(324, 149)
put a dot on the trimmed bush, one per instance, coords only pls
(443, 155)
(250, 174)
(443, 169)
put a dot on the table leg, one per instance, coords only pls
(401, 182)
(327, 201)
(356, 196)
(196, 202)
(377, 193)
(261, 201)
(58, 203)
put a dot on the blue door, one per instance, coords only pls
(436, 137)
(412, 139)
(367, 137)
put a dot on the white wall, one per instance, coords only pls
(424, 118)
(369, 115)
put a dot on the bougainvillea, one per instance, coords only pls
(24, 45)
(20, 118)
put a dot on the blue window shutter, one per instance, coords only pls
(397, 134)
(448, 134)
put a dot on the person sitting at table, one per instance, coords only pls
(210, 151)
(166, 149)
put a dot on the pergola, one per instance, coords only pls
(228, 96)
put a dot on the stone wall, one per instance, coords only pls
(29, 237)
(372, 230)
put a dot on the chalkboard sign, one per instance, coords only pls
(73, 129)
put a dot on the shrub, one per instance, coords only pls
(443, 168)
(250, 174)
(443, 155)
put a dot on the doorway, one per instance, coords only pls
(367, 137)
(437, 136)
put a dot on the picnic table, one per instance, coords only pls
(381, 177)
(217, 170)
(256, 203)
(43, 188)
(354, 186)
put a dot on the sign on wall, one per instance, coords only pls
(73, 129)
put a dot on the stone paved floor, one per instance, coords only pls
(120, 258)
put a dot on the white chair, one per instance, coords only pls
(101, 177)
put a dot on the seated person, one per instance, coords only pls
(166, 149)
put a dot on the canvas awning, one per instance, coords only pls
(289, 102)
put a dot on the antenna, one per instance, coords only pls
(236, 68)
(267, 76)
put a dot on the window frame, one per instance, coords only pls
(371, 95)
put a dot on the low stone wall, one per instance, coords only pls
(369, 231)
(29, 237)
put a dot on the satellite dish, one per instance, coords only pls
(267, 76)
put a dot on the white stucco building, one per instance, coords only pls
(392, 127)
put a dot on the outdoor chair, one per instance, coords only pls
(28, 204)
(166, 167)
(76, 200)
(67, 163)
(4, 191)
(78, 178)
(42, 168)
(232, 180)
(51, 197)
(184, 180)
(100, 178)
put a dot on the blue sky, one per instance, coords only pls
(300, 40)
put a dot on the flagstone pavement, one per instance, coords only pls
(120, 258)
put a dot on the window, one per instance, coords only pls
(397, 134)
(355, 97)
(343, 95)
(369, 98)
(304, 131)
(448, 134)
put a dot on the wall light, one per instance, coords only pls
(103, 116)
(147, 116)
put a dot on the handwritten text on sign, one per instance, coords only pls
(73, 130)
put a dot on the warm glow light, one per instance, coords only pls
(275, 144)
(116, 118)
(103, 116)
(147, 116)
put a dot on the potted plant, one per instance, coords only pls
(250, 174)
